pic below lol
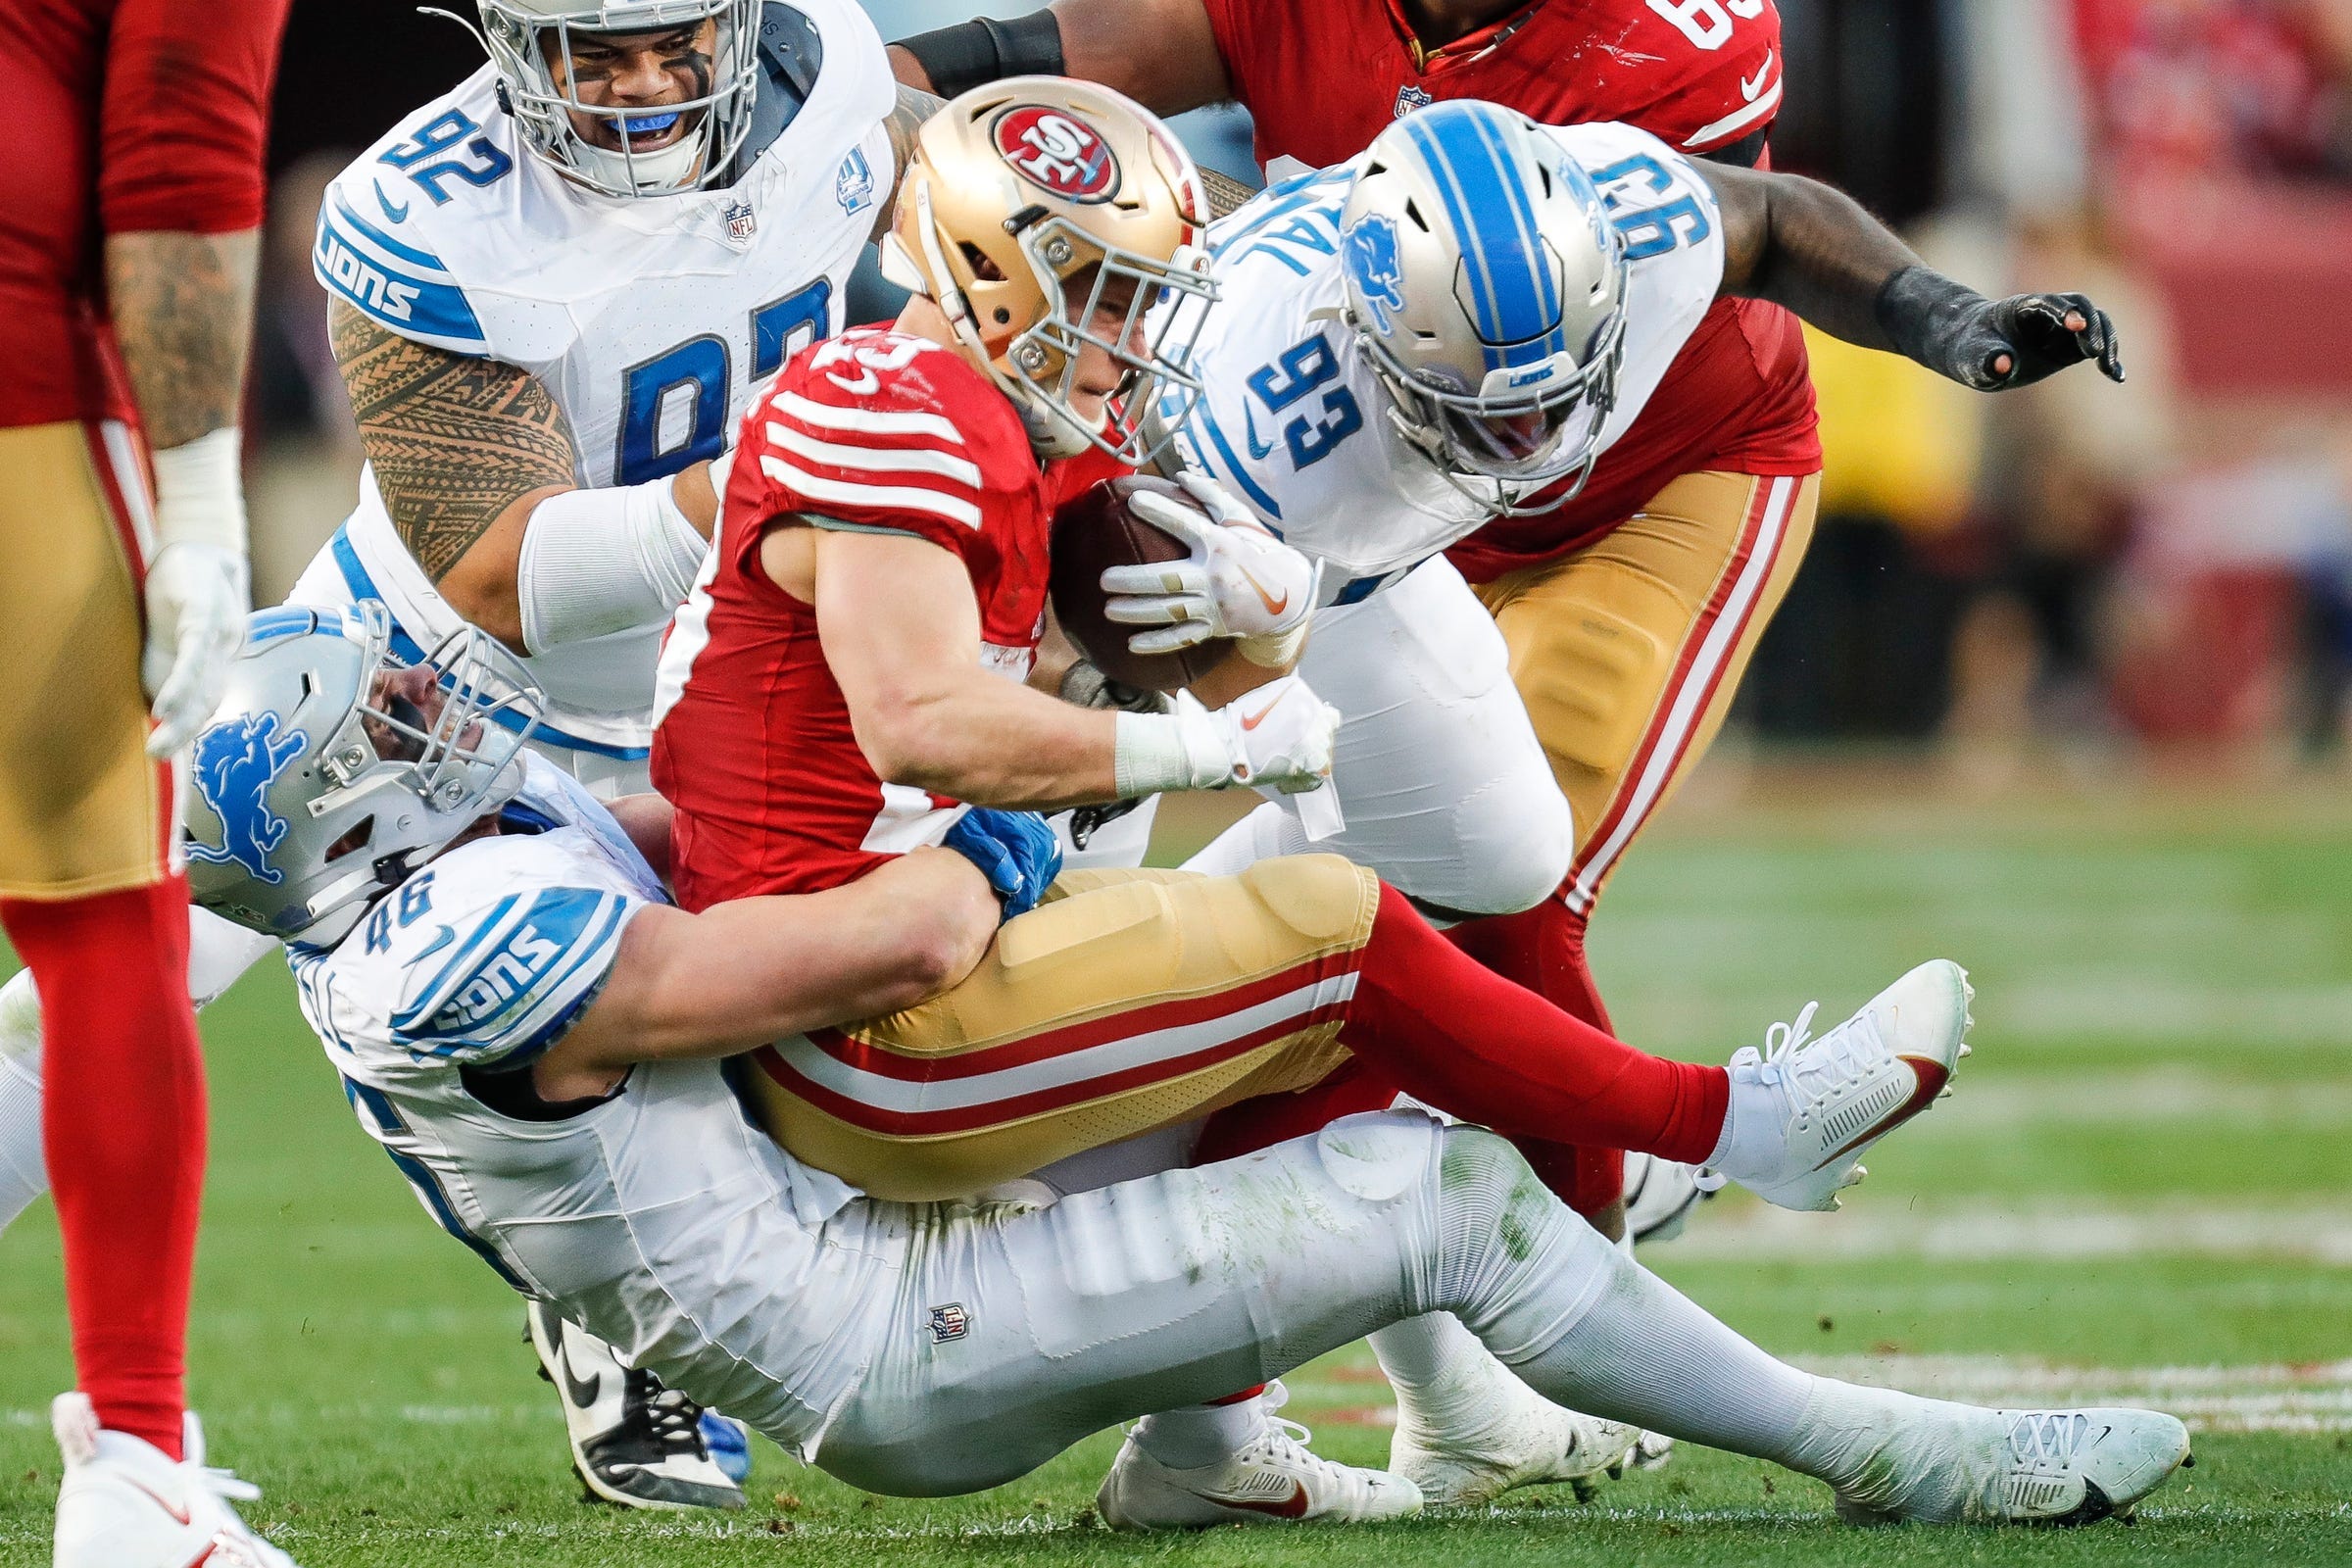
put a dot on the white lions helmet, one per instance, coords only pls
(332, 770)
(1487, 286)
(530, 42)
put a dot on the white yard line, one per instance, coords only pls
(2321, 1234)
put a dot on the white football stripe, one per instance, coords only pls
(1056, 1072)
(1691, 696)
(1740, 119)
(883, 460)
(869, 422)
(885, 497)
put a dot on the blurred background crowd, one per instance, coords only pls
(2077, 574)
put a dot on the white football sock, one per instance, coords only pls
(1201, 1434)
(24, 1173)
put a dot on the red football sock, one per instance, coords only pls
(1543, 950)
(1270, 1119)
(123, 1126)
(1472, 1043)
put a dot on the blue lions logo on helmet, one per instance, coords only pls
(1377, 268)
(237, 763)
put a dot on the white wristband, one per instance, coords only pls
(200, 493)
(597, 561)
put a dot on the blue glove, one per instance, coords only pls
(1015, 849)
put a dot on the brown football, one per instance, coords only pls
(1097, 530)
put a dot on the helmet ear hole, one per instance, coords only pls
(354, 841)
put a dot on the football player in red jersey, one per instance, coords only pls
(849, 668)
(1719, 475)
(129, 242)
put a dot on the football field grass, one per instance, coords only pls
(2141, 1192)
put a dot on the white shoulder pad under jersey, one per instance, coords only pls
(488, 955)
(650, 320)
(1293, 420)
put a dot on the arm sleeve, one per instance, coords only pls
(185, 120)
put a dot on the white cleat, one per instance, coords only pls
(1513, 1437)
(123, 1504)
(2052, 1467)
(1274, 1479)
(1803, 1111)
(633, 1441)
(1659, 1196)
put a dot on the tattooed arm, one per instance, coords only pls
(465, 450)
(914, 107)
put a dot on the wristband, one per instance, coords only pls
(984, 50)
(200, 493)
(1154, 753)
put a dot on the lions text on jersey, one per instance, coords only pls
(1291, 415)
(659, 1218)
(649, 319)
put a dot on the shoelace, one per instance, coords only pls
(1842, 1055)
(675, 1421)
(225, 1484)
(2046, 1440)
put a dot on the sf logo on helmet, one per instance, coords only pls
(235, 765)
(1378, 271)
(1058, 151)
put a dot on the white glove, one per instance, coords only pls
(1240, 581)
(1279, 736)
(197, 595)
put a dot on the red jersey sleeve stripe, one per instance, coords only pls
(871, 496)
(864, 422)
(873, 459)
(1735, 125)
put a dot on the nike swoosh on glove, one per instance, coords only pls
(1239, 581)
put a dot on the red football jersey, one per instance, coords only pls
(874, 431)
(1321, 79)
(131, 115)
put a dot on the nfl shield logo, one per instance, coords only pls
(1409, 98)
(742, 222)
(949, 1322)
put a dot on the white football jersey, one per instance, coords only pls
(1293, 420)
(649, 319)
(661, 1217)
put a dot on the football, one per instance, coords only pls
(1098, 530)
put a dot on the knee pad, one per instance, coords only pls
(1321, 896)
(1589, 677)
(1493, 1213)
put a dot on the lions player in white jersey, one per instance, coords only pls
(552, 289)
(1407, 346)
(532, 1033)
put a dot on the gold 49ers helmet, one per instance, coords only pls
(1028, 205)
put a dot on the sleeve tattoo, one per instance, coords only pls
(453, 440)
(914, 107)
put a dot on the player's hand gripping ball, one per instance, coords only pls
(1186, 562)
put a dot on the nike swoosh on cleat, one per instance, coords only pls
(579, 1393)
(178, 1515)
(1293, 1507)
(1929, 1078)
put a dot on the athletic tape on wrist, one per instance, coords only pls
(200, 493)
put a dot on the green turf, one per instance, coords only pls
(2144, 1169)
